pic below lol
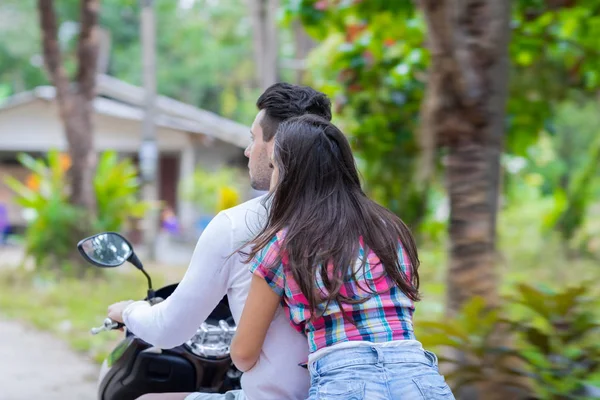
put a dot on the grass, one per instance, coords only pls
(69, 307)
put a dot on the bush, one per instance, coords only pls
(211, 191)
(55, 226)
(553, 348)
(52, 220)
(116, 185)
(558, 339)
(468, 346)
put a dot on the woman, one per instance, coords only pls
(345, 270)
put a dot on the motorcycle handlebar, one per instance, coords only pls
(108, 325)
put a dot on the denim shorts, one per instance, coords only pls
(378, 373)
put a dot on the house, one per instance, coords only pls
(187, 137)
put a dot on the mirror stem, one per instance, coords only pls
(138, 264)
(133, 258)
(149, 280)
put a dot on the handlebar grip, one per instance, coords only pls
(108, 325)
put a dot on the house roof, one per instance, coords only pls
(119, 99)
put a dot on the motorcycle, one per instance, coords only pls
(134, 367)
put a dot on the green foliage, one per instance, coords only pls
(51, 233)
(20, 59)
(212, 191)
(555, 54)
(56, 226)
(204, 52)
(568, 139)
(558, 332)
(580, 193)
(371, 64)
(205, 56)
(554, 341)
(565, 165)
(434, 227)
(116, 185)
(474, 332)
(587, 239)
(371, 61)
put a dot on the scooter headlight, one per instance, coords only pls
(212, 341)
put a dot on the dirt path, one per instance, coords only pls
(35, 365)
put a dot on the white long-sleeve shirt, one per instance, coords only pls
(211, 275)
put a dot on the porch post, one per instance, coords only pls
(185, 210)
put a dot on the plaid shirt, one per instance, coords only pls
(386, 316)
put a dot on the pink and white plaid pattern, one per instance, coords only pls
(385, 316)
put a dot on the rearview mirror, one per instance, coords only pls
(106, 249)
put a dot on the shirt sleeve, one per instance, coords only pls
(175, 320)
(404, 261)
(267, 266)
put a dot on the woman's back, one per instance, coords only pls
(377, 310)
(345, 269)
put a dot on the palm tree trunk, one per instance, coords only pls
(464, 112)
(75, 102)
(472, 216)
(304, 44)
(265, 38)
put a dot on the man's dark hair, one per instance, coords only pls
(283, 101)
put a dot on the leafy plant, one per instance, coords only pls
(212, 191)
(371, 61)
(580, 193)
(567, 158)
(55, 225)
(117, 186)
(558, 335)
(553, 348)
(467, 344)
(372, 66)
(587, 239)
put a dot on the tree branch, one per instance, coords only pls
(51, 49)
(87, 51)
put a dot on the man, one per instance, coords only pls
(212, 273)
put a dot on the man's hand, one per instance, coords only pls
(115, 311)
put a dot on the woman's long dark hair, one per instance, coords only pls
(318, 200)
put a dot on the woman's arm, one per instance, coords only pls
(256, 318)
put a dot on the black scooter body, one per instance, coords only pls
(136, 368)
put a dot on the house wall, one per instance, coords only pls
(36, 126)
(213, 155)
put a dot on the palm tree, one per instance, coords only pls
(464, 112)
(75, 101)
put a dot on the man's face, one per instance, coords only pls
(258, 156)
